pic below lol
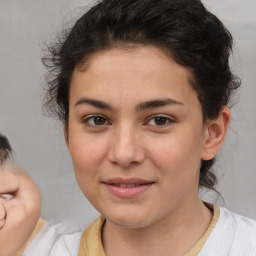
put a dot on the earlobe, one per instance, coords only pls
(216, 131)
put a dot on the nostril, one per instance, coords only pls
(126, 161)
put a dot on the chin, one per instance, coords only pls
(129, 219)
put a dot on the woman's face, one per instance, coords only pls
(136, 135)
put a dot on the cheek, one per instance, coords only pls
(176, 151)
(177, 157)
(84, 157)
(87, 154)
(178, 166)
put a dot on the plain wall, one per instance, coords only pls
(38, 141)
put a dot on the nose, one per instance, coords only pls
(126, 149)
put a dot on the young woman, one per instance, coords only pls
(142, 88)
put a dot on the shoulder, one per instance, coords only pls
(39, 226)
(233, 234)
(244, 236)
(55, 238)
(243, 225)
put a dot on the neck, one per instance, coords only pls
(175, 234)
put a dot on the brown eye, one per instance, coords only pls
(160, 120)
(96, 121)
(99, 120)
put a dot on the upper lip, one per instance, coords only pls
(127, 181)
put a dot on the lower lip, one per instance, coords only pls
(128, 192)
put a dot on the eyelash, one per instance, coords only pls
(93, 117)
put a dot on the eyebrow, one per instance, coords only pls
(156, 103)
(94, 103)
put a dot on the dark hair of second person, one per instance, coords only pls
(5, 149)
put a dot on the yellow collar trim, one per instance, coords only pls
(40, 224)
(91, 243)
(199, 245)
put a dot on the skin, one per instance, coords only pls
(18, 215)
(126, 141)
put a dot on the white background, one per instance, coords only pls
(37, 140)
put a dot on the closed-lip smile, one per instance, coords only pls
(127, 188)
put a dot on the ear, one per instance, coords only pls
(65, 132)
(215, 133)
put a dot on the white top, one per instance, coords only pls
(56, 239)
(233, 235)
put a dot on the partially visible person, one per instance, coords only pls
(19, 204)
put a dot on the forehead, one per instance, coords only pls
(134, 74)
